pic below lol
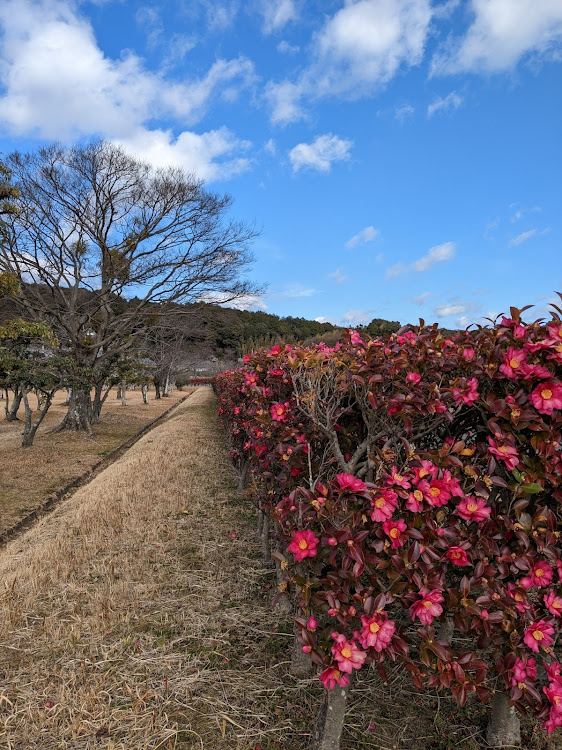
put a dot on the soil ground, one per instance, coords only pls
(137, 616)
(29, 475)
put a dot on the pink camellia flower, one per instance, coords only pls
(312, 624)
(473, 509)
(547, 396)
(414, 502)
(506, 453)
(425, 470)
(555, 333)
(521, 602)
(356, 338)
(395, 478)
(513, 360)
(554, 694)
(377, 632)
(274, 351)
(428, 607)
(539, 634)
(251, 378)
(349, 483)
(303, 545)
(383, 504)
(436, 492)
(553, 671)
(453, 484)
(279, 411)
(306, 649)
(413, 378)
(536, 371)
(394, 529)
(468, 394)
(468, 354)
(331, 677)
(553, 603)
(347, 654)
(539, 575)
(523, 671)
(458, 556)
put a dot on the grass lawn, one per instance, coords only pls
(29, 475)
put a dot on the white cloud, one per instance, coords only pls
(524, 236)
(245, 302)
(271, 147)
(56, 83)
(322, 319)
(454, 308)
(277, 14)
(357, 317)
(321, 153)
(284, 99)
(380, 257)
(421, 299)
(403, 112)
(436, 254)
(369, 234)
(295, 291)
(287, 49)
(442, 104)
(501, 34)
(339, 276)
(463, 322)
(212, 155)
(358, 50)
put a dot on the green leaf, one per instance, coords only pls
(531, 489)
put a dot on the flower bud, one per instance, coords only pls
(312, 623)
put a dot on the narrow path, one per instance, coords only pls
(136, 615)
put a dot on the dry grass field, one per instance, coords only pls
(136, 616)
(29, 475)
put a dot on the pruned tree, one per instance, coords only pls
(99, 238)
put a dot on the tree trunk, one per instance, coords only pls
(99, 401)
(118, 394)
(265, 546)
(123, 394)
(243, 476)
(68, 395)
(157, 389)
(30, 429)
(503, 727)
(329, 724)
(166, 390)
(446, 630)
(259, 526)
(79, 414)
(12, 411)
(39, 402)
(144, 391)
(301, 664)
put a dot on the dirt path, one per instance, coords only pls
(136, 615)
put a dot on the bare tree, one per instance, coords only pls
(99, 238)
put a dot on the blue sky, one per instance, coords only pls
(402, 158)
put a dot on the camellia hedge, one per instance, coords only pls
(414, 487)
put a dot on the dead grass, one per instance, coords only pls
(131, 618)
(29, 475)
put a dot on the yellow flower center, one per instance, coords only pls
(456, 555)
(435, 492)
(303, 544)
(518, 597)
(423, 473)
(418, 494)
(380, 502)
(472, 507)
(514, 363)
(538, 635)
(427, 604)
(546, 394)
(374, 627)
(394, 533)
(539, 572)
(398, 477)
(556, 604)
(503, 449)
(346, 652)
